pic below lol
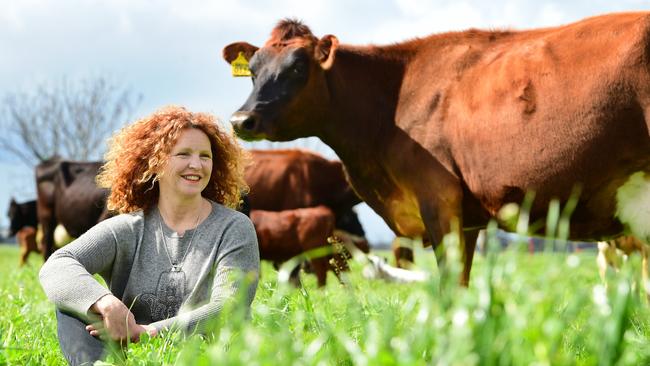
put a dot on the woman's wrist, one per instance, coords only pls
(102, 304)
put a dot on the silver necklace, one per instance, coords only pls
(177, 267)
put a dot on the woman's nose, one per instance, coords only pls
(195, 162)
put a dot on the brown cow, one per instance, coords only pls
(440, 132)
(285, 234)
(294, 178)
(288, 179)
(26, 238)
(68, 195)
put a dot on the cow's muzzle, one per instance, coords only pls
(244, 122)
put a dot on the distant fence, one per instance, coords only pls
(532, 244)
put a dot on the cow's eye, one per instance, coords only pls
(293, 71)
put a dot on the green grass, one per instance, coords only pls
(520, 309)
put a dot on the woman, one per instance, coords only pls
(172, 256)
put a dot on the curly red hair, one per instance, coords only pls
(139, 151)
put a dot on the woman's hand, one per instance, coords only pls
(118, 323)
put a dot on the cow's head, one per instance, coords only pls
(15, 217)
(289, 89)
(348, 221)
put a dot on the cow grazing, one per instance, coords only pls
(287, 179)
(68, 195)
(21, 215)
(290, 179)
(286, 234)
(440, 132)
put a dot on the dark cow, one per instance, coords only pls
(286, 234)
(68, 195)
(22, 224)
(21, 215)
(438, 133)
(287, 179)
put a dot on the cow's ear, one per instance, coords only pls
(231, 51)
(325, 51)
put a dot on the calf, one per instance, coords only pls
(285, 234)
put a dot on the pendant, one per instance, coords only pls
(176, 268)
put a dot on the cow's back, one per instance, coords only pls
(288, 179)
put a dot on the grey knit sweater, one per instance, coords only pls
(128, 252)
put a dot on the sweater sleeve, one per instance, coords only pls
(236, 269)
(67, 276)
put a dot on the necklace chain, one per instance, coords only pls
(176, 267)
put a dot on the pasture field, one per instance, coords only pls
(520, 309)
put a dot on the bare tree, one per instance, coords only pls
(68, 119)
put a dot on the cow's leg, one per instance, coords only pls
(320, 269)
(47, 224)
(608, 257)
(24, 250)
(468, 254)
(442, 215)
(31, 243)
(645, 277)
(294, 277)
(601, 260)
(47, 242)
(403, 253)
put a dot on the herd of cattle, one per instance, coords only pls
(297, 201)
(436, 133)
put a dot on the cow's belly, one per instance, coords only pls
(405, 214)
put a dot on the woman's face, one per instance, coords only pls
(189, 165)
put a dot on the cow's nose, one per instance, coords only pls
(243, 121)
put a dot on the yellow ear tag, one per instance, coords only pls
(240, 66)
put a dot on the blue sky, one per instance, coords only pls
(170, 51)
